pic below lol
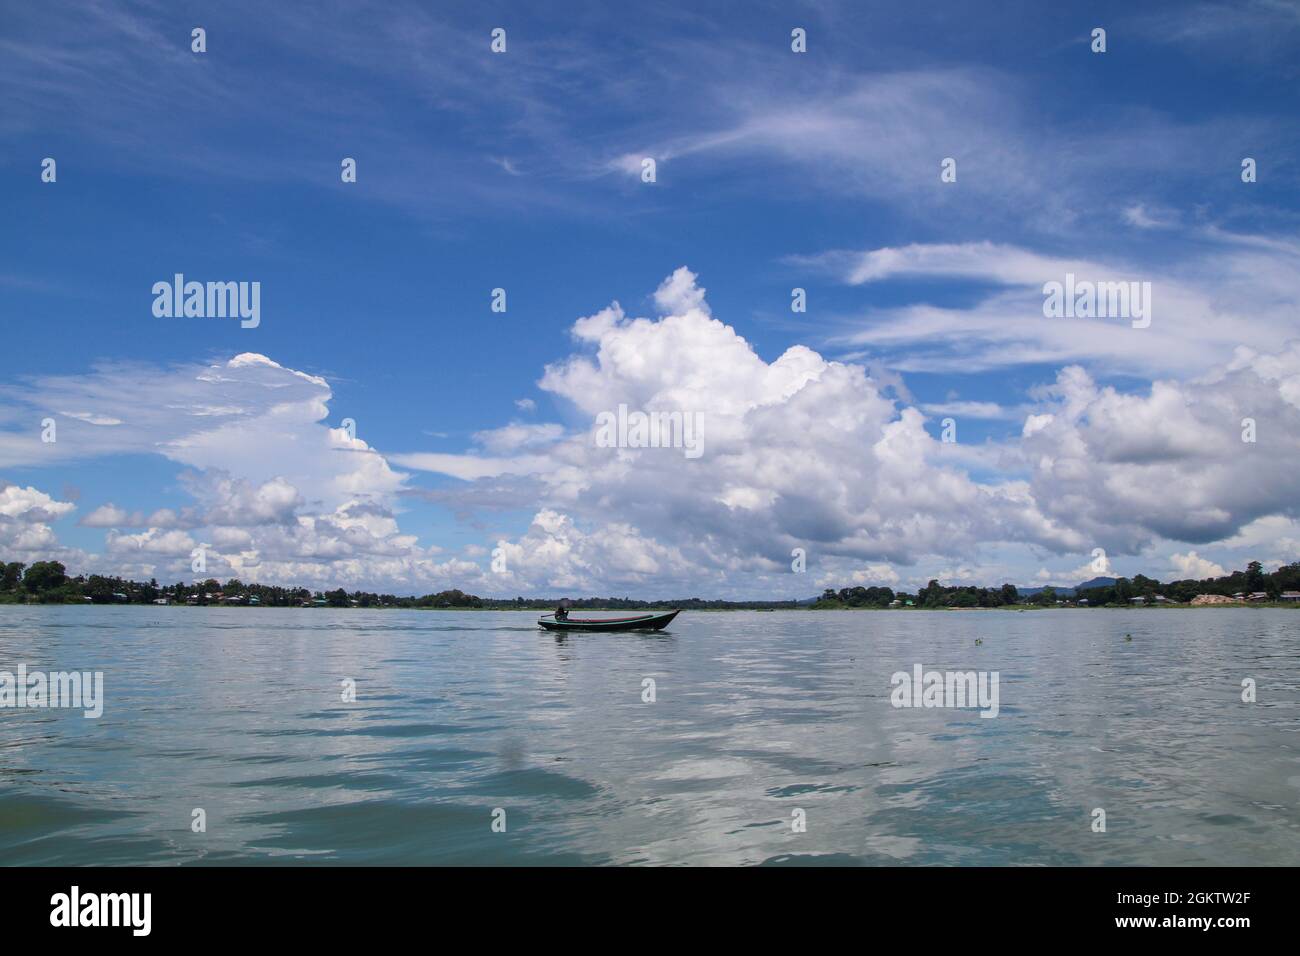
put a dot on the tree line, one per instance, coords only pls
(47, 582)
(932, 595)
(1253, 580)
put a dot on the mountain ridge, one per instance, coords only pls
(1097, 582)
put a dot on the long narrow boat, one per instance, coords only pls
(641, 622)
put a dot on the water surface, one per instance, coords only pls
(238, 711)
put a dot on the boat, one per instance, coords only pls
(640, 622)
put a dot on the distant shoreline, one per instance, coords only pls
(47, 582)
(1169, 606)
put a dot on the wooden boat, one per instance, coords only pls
(640, 622)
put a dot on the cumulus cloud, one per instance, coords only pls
(31, 505)
(155, 541)
(554, 552)
(25, 513)
(878, 575)
(797, 452)
(1191, 566)
(806, 452)
(235, 502)
(1125, 469)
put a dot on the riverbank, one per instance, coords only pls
(668, 606)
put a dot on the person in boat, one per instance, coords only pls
(562, 612)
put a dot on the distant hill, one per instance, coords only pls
(1066, 591)
(1060, 589)
(1095, 583)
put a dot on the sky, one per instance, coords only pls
(831, 263)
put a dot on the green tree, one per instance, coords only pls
(1045, 597)
(45, 576)
(99, 589)
(11, 575)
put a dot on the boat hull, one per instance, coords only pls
(641, 622)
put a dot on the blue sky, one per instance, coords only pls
(775, 170)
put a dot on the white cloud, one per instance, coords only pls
(555, 553)
(235, 502)
(1127, 469)
(155, 541)
(92, 419)
(1201, 308)
(804, 452)
(470, 467)
(111, 516)
(798, 452)
(277, 491)
(862, 134)
(983, 410)
(249, 416)
(1143, 217)
(877, 575)
(31, 505)
(512, 437)
(810, 451)
(1191, 566)
(24, 516)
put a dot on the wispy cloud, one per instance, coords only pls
(1201, 308)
